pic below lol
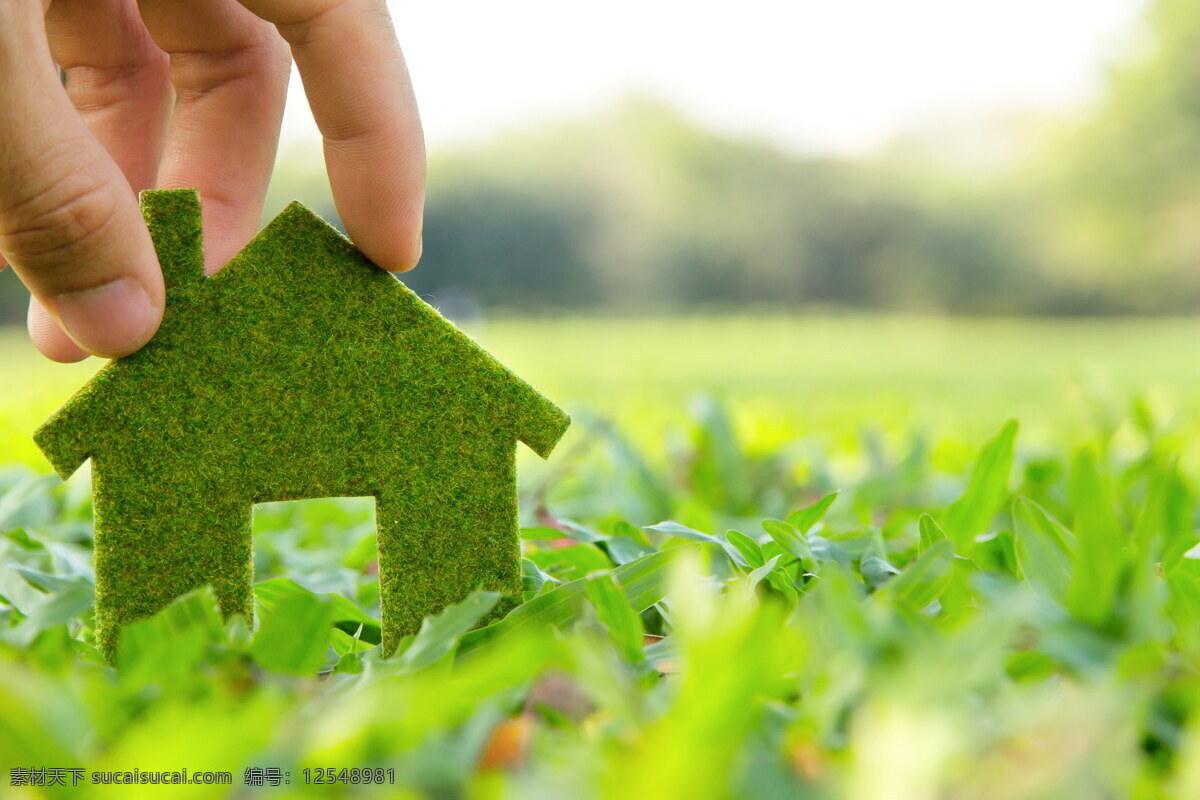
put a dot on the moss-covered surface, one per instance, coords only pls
(299, 370)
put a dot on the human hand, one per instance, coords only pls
(185, 93)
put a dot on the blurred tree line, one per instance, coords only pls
(1122, 185)
(639, 210)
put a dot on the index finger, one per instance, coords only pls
(358, 86)
(69, 223)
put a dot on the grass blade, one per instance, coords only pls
(931, 533)
(924, 580)
(294, 634)
(614, 612)
(1099, 560)
(986, 490)
(644, 582)
(791, 540)
(440, 633)
(167, 645)
(805, 518)
(749, 548)
(1044, 550)
(346, 615)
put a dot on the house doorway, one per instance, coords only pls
(326, 544)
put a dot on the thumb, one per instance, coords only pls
(69, 222)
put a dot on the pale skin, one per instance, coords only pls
(175, 94)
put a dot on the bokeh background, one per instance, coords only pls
(933, 156)
(776, 259)
(832, 216)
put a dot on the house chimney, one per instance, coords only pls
(173, 217)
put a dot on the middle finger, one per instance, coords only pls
(230, 71)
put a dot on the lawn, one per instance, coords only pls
(773, 558)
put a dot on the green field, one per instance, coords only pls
(773, 558)
(786, 378)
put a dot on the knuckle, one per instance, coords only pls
(51, 231)
(268, 55)
(93, 88)
(265, 61)
(298, 21)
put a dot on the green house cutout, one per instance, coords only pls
(300, 370)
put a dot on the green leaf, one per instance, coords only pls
(569, 563)
(1098, 560)
(926, 577)
(543, 533)
(439, 634)
(718, 467)
(931, 533)
(791, 540)
(622, 529)
(49, 611)
(1164, 527)
(749, 548)
(614, 612)
(22, 537)
(986, 491)
(47, 582)
(623, 549)
(644, 582)
(349, 664)
(168, 644)
(578, 532)
(1030, 666)
(532, 577)
(756, 576)
(1184, 607)
(672, 528)
(627, 543)
(683, 532)
(26, 502)
(1044, 550)
(294, 634)
(824, 550)
(347, 616)
(804, 519)
(874, 566)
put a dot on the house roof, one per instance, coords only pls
(299, 342)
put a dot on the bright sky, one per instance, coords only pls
(834, 75)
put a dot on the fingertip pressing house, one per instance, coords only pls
(300, 370)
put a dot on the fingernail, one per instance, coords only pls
(111, 320)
